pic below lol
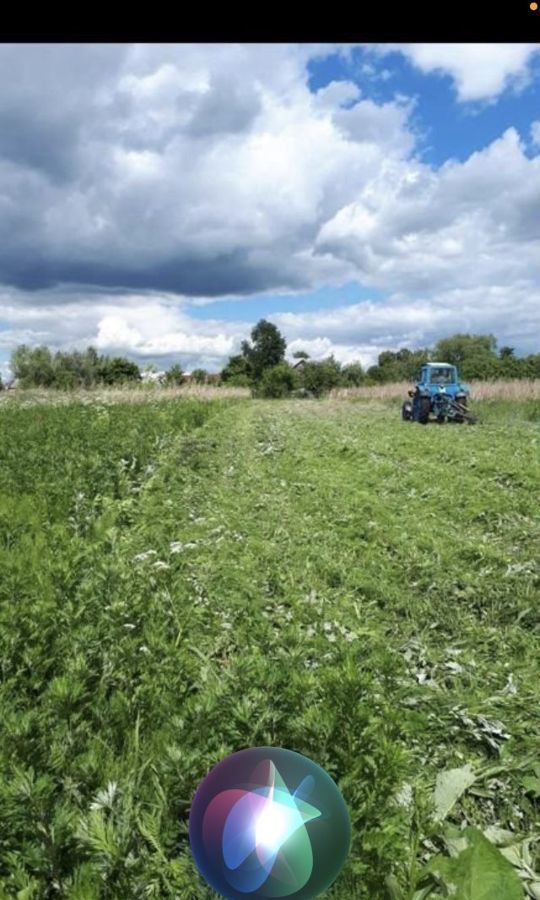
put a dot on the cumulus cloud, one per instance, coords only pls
(467, 224)
(145, 327)
(363, 330)
(478, 71)
(172, 175)
(203, 170)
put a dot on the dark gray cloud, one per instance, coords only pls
(218, 276)
(201, 170)
(37, 140)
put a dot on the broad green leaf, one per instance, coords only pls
(450, 785)
(531, 783)
(513, 854)
(501, 837)
(393, 888)
(519, 853)
(479, 873)
(455, 840)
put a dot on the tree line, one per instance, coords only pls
(39, 367)
(261, 366)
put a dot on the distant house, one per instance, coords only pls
(152, 377)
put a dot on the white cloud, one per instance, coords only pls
(145, 327)
(202, 169)
(469, 224)
(181, 173)
(479, 71)
(364, 329)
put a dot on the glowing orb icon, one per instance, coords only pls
(269, 822)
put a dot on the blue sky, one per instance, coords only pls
(451, 129)
(263, 305)
(361, 197)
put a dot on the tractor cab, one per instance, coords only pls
(439, 374)
(435, 377)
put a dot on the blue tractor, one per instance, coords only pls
(440, 394)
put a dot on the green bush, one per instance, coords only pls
(174, 376)
(277, 381)
(118, 370)
(199, 376)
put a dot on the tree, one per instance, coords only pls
(300, 354)
(174, 375)
(531, 366)
(473, 354)
(386, 358)
(90, 366)
(65, 376)
(76, 368)
(352, 375)
(199, 376)
(320, 377)
(506, 353)
(118, 370)
(33, 367)
(37, 367)
(20, 364)
(236, 372)
(401, 365)
(267, 348)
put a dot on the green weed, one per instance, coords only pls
(183, 579)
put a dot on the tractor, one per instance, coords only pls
(440, 394)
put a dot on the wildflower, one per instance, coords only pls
(142, 556)
(105, 798)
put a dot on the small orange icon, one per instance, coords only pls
(533, 6)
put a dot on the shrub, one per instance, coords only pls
(277, 381)
(174, 375)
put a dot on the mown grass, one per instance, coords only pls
(182, 580)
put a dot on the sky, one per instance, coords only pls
(156, 200)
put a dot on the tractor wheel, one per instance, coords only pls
(425, 409)
(441, 420)
(462, 402)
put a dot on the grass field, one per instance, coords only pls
(181, 579)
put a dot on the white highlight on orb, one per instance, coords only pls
(271, 826)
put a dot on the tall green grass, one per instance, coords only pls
(182, 580)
